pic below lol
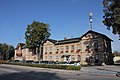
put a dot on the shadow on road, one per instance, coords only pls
(30, 76)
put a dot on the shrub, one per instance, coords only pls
(51, 66)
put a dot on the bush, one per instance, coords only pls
(51, 66)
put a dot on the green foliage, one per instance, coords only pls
(54, 66)
(112, 15)
(116, 53)
(36, 33)
(6, 51)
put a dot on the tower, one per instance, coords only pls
(90, 18)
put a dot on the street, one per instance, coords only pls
(13, 72)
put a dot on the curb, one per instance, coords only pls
(118, 74)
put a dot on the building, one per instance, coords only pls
(91, 48)
(23, 53)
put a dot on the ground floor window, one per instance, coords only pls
(79, 58)
(45, 57)
(51, 57)
(73, 58)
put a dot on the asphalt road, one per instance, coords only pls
(13, 72)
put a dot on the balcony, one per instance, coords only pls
(72, 50)
(50, 53)
(56, 52)
(78, 50)
(45, 52)
(61, 52)
(18, 54)
(66, 51)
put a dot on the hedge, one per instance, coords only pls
(51, 66)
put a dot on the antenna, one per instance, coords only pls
(19, 40)
(90, 18)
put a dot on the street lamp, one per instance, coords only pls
(90, 18)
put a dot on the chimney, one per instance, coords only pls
(65, 38)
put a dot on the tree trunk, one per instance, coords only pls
(39, 53)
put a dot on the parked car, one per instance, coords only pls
(29, 61)
(43, 62)
(51, 62)
(36, 62)
(14, 61)
(75, 63)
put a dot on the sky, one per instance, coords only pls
(66, 18)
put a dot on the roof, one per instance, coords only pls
(20, 45)
(73, 40)
(90, 31)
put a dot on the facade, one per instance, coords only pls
(22, 53)
(91, 48)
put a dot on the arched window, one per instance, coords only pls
(95, 45)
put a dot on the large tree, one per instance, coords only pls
(36, 33)
(112, 15)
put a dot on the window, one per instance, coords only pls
(50, 57)
(62, 49)
(79, 57)
(73, 58)
(87, 48)
(78, 46)
(45, 48)
(45, 52)
(57, 57)
(95, 45)
(45, 57)
(57, 49)
(67, 48)
(72, 47)
(50, 48)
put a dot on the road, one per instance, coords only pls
(13, 72)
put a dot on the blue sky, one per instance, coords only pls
(66, 18)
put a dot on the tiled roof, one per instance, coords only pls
(72, 40)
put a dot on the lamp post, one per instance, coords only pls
(90, 18)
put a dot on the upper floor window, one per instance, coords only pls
(78, 46)
(62, 48)
(72, 47)
(67, 48)
(45, 48)
(57, 49)
(50, 48)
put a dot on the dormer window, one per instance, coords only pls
(89, 36)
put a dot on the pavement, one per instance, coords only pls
(14, 72)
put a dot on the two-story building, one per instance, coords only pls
(23, 53)
(90, 48)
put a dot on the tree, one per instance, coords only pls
(6, 51)
(112, 15)
(116, 53)
(35, 34)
